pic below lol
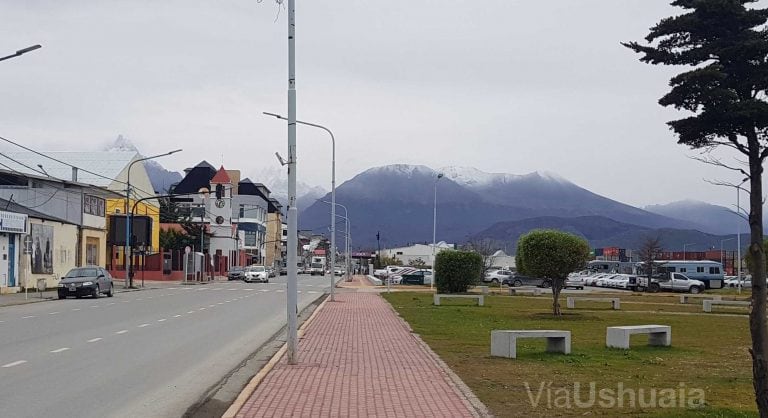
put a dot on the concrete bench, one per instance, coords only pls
(517, 291)
(708, 303)
(438, 296)
(658, 335)
(570, 302)
(684, 298)
(483, 289)
(504, 343)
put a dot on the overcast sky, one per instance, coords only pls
(500, 85)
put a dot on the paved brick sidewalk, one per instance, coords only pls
(358, 359)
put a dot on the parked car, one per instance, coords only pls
(283, 270)
(733, 281)
(417, 277)
(496, 276)
(256, 274)
(236, 273)
(520, 280)
(338, 271)
(380, 273)
(86, 281)
(574, 282)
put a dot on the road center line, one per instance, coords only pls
(27, 317)
(143, 325)
(190, 311)
(59, 350)
(15, 363)
(177, 316)
(93, 340)
(201, 309)
(162, 320)
(122, 332)
(76, 309)
(53, 313)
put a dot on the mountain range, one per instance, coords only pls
(398, 202)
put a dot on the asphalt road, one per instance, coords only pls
(150, 353)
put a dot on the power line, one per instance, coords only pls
(64, 163)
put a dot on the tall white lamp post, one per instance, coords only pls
(738, 229)
(434, 233)
(686, 245)
(129, 219)
(333, 191)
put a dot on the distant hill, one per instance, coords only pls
(397, 200)
(711, 218)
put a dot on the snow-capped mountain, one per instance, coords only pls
(161, 178)
(398, 201)
(276, 179)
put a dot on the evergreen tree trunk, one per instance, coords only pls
(758, 326)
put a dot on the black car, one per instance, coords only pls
(86, 281)
(236, 273)
(519, 280)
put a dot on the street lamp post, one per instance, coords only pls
(21, 52)
(129, 218)
(738, 229)
(685, 245)
(721, 251)
(348, 236)
(333, 190)
(434, 233)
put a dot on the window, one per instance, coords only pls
(671, 269)
(700, 269)
(714, 270)
(93, 205)
(92, 251)
(683, 270)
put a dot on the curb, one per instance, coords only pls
(256, 380)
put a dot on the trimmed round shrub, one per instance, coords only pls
(455, 271)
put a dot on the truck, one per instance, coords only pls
(317, 266)
(669, 281)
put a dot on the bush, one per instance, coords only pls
(455, 271)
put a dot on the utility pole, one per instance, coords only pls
(293, 214)
(378, 245)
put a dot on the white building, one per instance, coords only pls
(500, 259)
(416, 252)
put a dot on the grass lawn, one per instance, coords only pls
(709, 352)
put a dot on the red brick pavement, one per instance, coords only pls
(358, 359)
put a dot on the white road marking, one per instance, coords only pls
(93, 340)
(143, 325)
(126, 301)
(27, 317)
(110, 303)
(227, 301)
(76, 309)
(279, 290)
(191, 312)
(162, 320)
(171, 288)
(201, 309)
(231, 289)
(122, 332)
(53, 313)
(94, 306)
(177, 316)
(265, 290)
(312, 292)
(59, 350)
(249, 289)
(211, 306)
(15, 363)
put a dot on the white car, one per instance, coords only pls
(733, 281)
(256, 274)
(497, 276)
